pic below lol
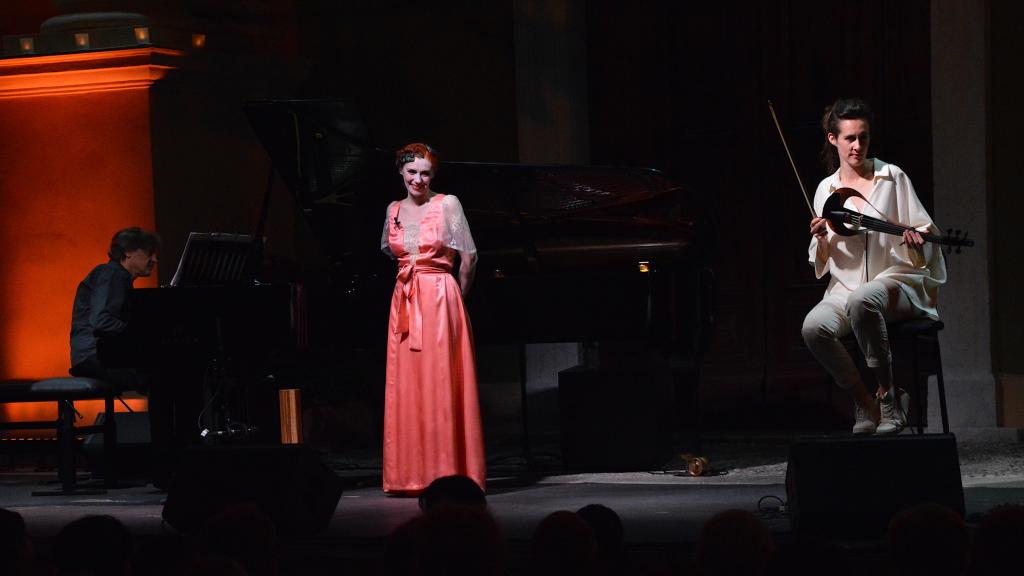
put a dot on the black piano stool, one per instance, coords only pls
(65, 391)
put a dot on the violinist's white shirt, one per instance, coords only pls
(854, 260)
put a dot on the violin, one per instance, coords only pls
(839, 217)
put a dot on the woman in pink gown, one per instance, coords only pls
(431, 413)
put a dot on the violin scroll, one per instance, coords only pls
(954, 240)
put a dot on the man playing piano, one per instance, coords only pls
(101, 303)
(102, 310)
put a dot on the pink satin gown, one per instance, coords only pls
(431, 412)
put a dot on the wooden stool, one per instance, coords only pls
(65, 391)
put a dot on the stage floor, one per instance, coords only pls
(662, 510)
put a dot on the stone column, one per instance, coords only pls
(551, 81)
(962, 197)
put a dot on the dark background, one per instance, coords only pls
(678, 86)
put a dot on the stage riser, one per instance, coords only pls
(849, 488)
(289, 483)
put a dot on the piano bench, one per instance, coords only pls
(65, 391)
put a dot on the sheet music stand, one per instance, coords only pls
(216, 259)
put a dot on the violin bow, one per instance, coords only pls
(796, 172)
(950, 240)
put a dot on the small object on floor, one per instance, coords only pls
(696, 465)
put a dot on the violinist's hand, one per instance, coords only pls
(912, 238)
(915, 248)
(819, 227)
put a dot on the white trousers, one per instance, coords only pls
(864, 312)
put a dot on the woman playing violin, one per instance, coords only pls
(874, 277)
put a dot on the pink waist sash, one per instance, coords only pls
(410, 318)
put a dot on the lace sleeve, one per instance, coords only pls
(384, 246)
(456, 228)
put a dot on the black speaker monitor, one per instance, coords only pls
(849, 488)
(290, 483)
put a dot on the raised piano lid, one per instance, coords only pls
(552, 217)
(525, 218)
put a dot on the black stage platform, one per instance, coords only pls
(662, 510)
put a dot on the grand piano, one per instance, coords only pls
(609, 256)
(567, 253)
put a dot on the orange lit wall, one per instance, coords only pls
(75, 166)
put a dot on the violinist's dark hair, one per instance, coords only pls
(841, 109)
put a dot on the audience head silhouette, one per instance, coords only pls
(734, 542)
(454, 540)
(928, 540)
(245, 534)
(15, 547)
(95, 545)
(608, 535)
(563, 544)
(809, 555)
(997, 542)
(453, 490)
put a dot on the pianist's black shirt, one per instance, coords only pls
(101, 305)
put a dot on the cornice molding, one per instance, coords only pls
(81, 72)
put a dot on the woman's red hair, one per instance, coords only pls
(410, 152)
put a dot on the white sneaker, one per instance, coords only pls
(866, 419)
(894, 411)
